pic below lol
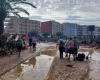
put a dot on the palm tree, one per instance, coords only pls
(10, 6)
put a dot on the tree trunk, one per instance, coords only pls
(3, 15)
(1, 26)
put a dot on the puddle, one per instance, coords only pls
(96, 56)
(94, 71)
(95, 66)
(35, 68)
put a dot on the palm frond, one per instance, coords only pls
(16, 0)
(16, 14)
(27, 4)
(8, 6)
(21, 2)
(21, 10)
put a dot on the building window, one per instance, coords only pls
(98, 30)
(11, 27)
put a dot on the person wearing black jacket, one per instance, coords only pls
(61, 48)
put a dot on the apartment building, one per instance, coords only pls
(51, 27)
(56, 27)
(22, 25)
(97, 33)
(71, 30)
(46, 27)
(12, 25)
(85, 32)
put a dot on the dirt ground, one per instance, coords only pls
(63, 69)
(68, 70)
(9, 62)
(50, 51)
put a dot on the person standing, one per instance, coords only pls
(76, 47)
(61, 48)
(66, 48)
(70, 44)
(19, 44)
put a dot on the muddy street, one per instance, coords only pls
(46, 65)
(35, 68)
(76, 70)
(94, 65)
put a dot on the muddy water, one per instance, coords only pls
(94, 64)
(35, 68)
(94, 73)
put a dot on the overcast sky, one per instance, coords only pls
(76, 11)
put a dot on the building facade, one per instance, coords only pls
(97, 34)
(71, 30)
(56, 27)
(85, 33)
(46, 27)
(51, 27)
(12, 25)
(22, 25)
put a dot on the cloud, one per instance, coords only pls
(78, 11)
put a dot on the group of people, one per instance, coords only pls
(70, 47)
(32, 43)
(20, 44)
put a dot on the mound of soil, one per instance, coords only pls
(68, 70)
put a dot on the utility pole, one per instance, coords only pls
(91, 29)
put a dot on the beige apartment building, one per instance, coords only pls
(97, 33)
(22, 25)
(56, 27)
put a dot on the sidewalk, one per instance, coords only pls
(9, 62)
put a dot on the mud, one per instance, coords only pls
(45, 67)
(94, 66)
(35, 68)
(68, 70)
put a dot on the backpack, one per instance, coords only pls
(61, 44)
(30, 40)
(19, 43)
(81, 57)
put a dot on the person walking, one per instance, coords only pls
(30, 42)
(61, 48)
(34, 40)
(19, 44)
